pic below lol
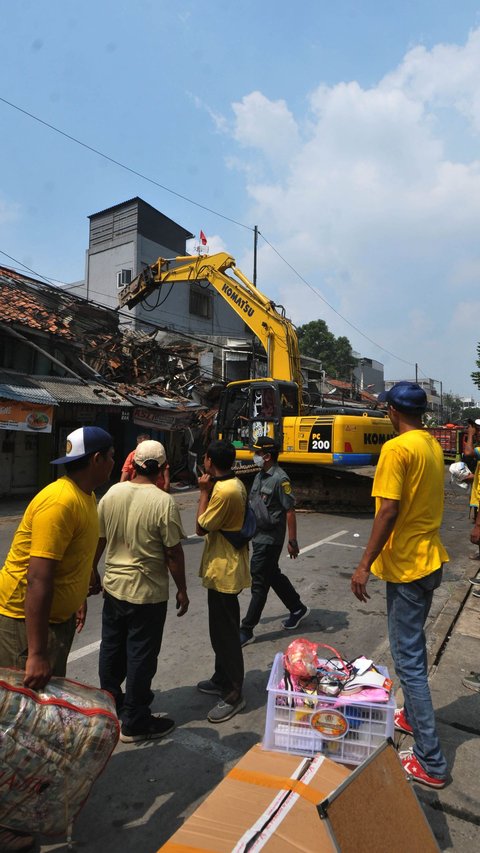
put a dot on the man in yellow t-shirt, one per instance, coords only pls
(405, 550)
(225, 572)
(141, 529)
(45, 580)
(46, 575)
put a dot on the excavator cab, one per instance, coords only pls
(256, 408)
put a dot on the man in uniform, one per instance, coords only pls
(273, 503)
(405, 550)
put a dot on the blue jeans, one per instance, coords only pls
(408, 605)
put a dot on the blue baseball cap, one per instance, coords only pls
(83, 441)
(407, 397)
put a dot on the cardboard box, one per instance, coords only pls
(262, 798)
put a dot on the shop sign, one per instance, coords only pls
(27, 417)
(160, 419)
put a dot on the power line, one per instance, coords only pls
(196, 204)
(123, 165)
(316, 292)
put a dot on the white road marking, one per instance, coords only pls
(85, 650)
(323, 541)
(93, 647)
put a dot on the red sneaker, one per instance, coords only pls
(401, 723)
(413, 768)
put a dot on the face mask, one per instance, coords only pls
(258, 460)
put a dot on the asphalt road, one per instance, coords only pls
(147, 790)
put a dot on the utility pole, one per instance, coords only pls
(416, 372)
(255, 245)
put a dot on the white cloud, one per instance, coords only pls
(376, 205)
(267, 126)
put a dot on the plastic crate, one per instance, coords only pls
(291, 717)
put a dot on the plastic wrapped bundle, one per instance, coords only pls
(53, 745)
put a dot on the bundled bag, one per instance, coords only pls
(53, 745)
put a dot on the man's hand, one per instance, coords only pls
(205, 483)
(182, 602)
(95, 585)
(475, 535)
(37, 672)
(80, 617)
(293, 549)
(359, 583)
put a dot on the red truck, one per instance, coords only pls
(452, 439)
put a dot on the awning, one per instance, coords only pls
(54, 390)
(24, 390)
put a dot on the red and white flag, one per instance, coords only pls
(203, 239)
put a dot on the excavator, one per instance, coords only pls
(319, 445)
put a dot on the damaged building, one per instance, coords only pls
(66, 362)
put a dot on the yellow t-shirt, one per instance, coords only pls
(61, 524)
(411, 470)
(474, 492)
(223, 567)
(138, 520)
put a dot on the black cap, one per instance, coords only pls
(266, 443)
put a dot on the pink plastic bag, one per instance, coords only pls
(300, 659)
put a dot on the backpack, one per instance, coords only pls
(239, 538)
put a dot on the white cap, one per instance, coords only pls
(148, 451)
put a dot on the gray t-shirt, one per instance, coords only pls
(271, 497)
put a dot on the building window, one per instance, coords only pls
(200, 303)
(123, 277)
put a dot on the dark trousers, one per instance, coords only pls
(224, 625)
(266, 573)
(131, 641)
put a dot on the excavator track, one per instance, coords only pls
(325, 489)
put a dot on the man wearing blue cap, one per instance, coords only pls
(405, 550)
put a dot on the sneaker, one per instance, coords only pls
(209, 687)
(14, 841)
(472, 681)
(158, 727)
(246, 637)
(401, 723)
(224, 711)
(295, 618)
(413, 768)
(475, 581)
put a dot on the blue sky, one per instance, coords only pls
(348, 132)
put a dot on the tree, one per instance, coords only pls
(475, 376)
(473, 413)
(317, 341)
(452, 408)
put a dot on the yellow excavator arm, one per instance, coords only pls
(274, 331)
